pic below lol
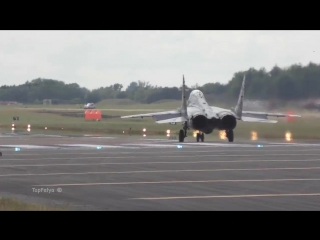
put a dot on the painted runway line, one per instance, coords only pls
(159, 171)
(99, 137)
(137, 157)
(149, 145)
(29, 146)
(167, 144)
(46, 135)
(146, 163)
(232, 196)
(177, 182)
(93, 146)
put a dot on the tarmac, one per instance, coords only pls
(92, 173)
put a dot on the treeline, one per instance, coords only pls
(293, 83)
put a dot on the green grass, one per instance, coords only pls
(9, 204)
(306, 127)
(109, 104)
(39, 121)
(300, 129)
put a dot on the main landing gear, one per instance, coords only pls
(183, 132)
(229, 135)
(200, 136)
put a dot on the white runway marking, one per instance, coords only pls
(295, 144)
(157, 145)
(262, 145)
(202, 145)
(175, 182)
(45, 135)
(30, 146)
(150, 163)
(195, 145)
(231, 196)
(92, 146)
(59, 158)
(217, 144)
(149, 145)
(101, 137)
(162, 140)
(160, 171)
(160, 156)
(216, 151)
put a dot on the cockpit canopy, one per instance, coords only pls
(196, 98)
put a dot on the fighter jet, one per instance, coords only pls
(196, 114)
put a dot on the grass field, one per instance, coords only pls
(69, 119)
(9, 204)
(111, 104)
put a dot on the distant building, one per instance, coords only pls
(47, 101)
(8, 103)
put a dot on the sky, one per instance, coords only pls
(96, 59)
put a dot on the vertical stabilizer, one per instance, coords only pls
(238, 108)
(184, 111)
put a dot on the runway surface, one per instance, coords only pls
(88, 173)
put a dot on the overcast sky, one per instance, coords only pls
(100, 58)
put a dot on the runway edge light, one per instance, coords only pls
(17, 149)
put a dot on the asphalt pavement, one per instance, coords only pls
(159, 174)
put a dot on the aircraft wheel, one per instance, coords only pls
(198, 137)
(230, 135)
(181, 135)
(202, 137)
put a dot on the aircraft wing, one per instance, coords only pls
(266, 114)
(256, 119)
(161, 117)
(250, 116)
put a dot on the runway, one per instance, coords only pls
(159, 174)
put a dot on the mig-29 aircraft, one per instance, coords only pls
(196, 114)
